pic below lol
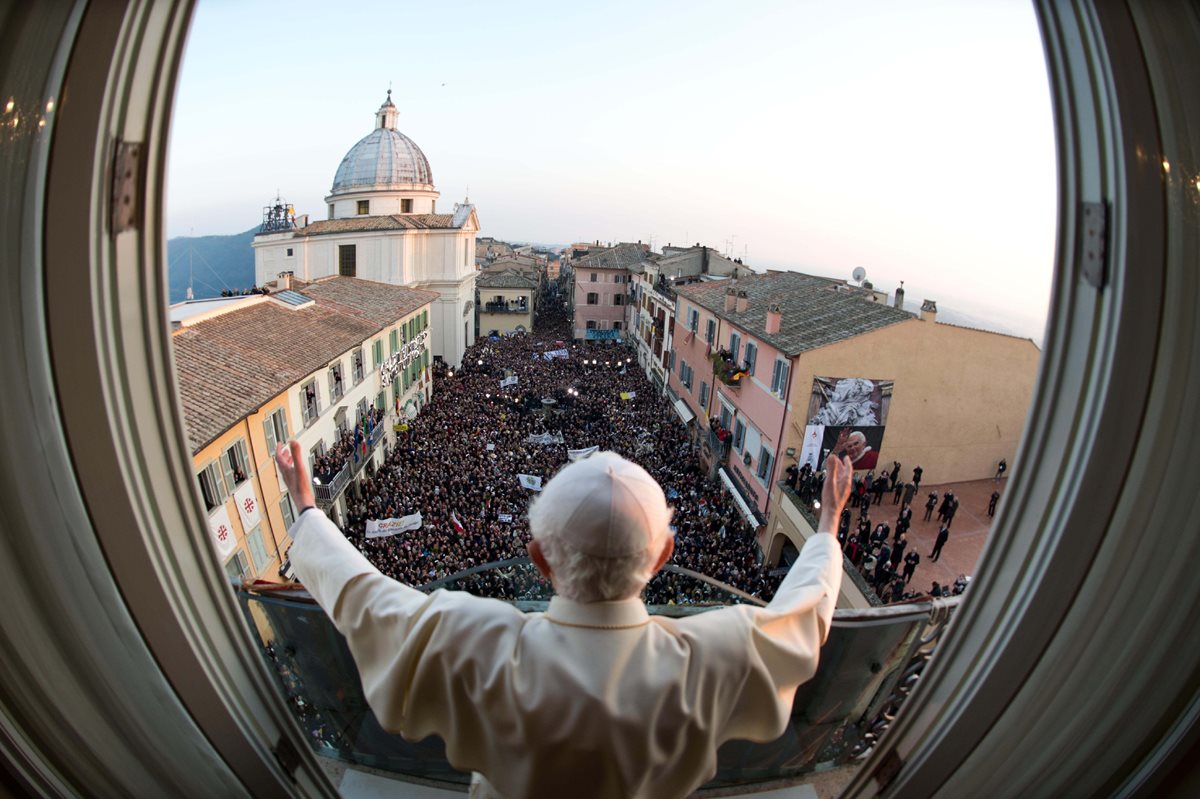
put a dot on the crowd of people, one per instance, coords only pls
(881, 554)
(457, 464)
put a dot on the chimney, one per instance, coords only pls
(774, 318)
(899, 301)
(730, 300)
(283, 281)
(302, 221)
(743, 302)
(929, 311)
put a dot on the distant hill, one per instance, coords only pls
(217, 262)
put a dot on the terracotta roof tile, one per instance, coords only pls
(362, 224)
(623, 256)
(815, 311)
(228, 366)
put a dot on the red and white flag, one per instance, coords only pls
(455, 523)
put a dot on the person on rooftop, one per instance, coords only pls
(594, 697)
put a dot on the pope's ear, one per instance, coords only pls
(539, 558)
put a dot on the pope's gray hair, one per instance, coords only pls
(583, 578)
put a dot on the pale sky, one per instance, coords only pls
(914, 139)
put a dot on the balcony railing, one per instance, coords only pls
(505, 307)
(665, 289)
(720, 448)
(359, 458)
(327, 493)
(869, 665)
(848, 567)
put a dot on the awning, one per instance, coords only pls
(685, 413)
(747, 513)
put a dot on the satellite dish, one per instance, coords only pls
(858, 274)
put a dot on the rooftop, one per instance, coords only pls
(360, 224)
(815, 312)
(228, 366)
(623, 256)
(504, 280)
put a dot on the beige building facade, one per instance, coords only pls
(506, 301)
(959, 399)
(248, 508)
(319, 363)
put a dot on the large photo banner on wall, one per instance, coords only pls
(853, 414)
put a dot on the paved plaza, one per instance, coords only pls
(968, 532)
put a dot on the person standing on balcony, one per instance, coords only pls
(594, 697)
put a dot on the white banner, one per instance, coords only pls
(532, 482)
(580, 454)
(504, 517)
(810, 453)
(545, 438)
(222, 532)
(380, 528)
(509, 381)
(247, 505)
(552, 354)
(490, 447)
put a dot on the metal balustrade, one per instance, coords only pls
(869, 666)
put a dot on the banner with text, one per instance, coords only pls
(580, 454)
(381, 528)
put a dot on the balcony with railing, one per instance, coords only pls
(804, 504)
(360, 456)
(664, 289)
(360, 451)
(327, 493)
(719, 442)
(869, 665)
(506, 307)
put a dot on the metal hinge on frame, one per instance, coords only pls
(126, 188)
(1093, 244)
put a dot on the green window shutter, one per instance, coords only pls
(269, 432)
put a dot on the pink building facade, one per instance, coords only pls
(603, 291)
(739, 419)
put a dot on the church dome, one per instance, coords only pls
(383, 159)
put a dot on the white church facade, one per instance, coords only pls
(383, 225)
